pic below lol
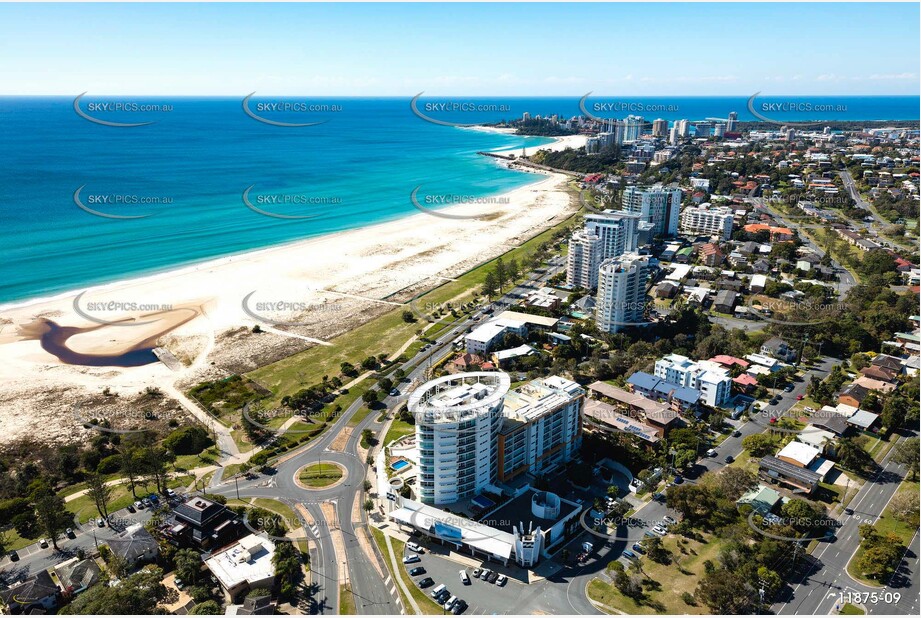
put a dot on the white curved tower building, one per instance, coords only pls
(458, 419)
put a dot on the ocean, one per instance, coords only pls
(86, 203)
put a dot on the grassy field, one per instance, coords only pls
(397, 430)
(426, 604)
(84, 508)
(889, 524)
(383, 334)
(320, 474)
(346, 602)
(673, 579)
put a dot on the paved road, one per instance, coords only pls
(822, 577)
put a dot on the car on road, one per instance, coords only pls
(415, 547)
(799, 397)
(736, 433)
(788, 388)
(465, 579)
(638, 548)
(412, 559)
(729, 459)
(459, 607)
(501, 580)
(417, 571)
(711, 453)
(425, 582)
(476, 572)
(43, 543)
(848, 511)
(394, 392)
(492, 577)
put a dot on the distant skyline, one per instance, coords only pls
(652, 49)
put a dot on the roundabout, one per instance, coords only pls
(320, 475)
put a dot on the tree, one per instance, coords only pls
(368, 505)
(99, 493)
(758, 445)
(51, 515)
(907, 454)
(656, 550)
(287, 568)
(724, 592)
(137, 594)
(369, 397)
(733, 483)
(188, 565)
(132, 466)
(408, 317)
(852, 456)
(905, 507)
(208, 608)
(189, 440)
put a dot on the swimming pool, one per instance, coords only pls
(399, 464)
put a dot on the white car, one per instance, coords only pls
(450, 603)
(412, 559)
(660, 530)
(465, 579)
(501, 580)
(415, 547)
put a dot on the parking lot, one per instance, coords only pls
(481, 597)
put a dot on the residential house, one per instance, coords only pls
(853, 395)
(77, 575)
(799, 479)
(203, 524)
(135, 545)
(32, 595)
(725, 301)
(776, 347)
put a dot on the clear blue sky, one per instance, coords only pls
(452, 49)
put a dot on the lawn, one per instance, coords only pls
(397, 430)
(426, 604)
(320, 474)
(383, 334)
(851, 610)
(888, 524)
(673, 581)
(346, 602)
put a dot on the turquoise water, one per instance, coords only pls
(356, 168)
(399, 465)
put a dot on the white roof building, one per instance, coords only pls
(247, 564)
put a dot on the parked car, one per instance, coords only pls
(629, 554)
(465, 579)
(669, 519)
(648, 533)
(658, 496)
(14, 556)
(459, 607)
(131, 508)
(678, 479)
(70, 533)
(638, 548)
(659, 530)
(729, 459)
(179, 583)
(425, 582)
(799, 397)
(788, 388)
(438, 590)
(492, 577)
(417, 571)
(139, 505)
(484, 575)
(476, 572)
(450, 602)
(101, 522)
(442, 598)
(415, 547)
(711, 453)
(43, 543)
(501, 580)
(411, 559)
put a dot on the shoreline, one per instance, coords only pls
(215, 262)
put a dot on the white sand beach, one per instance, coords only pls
(299, 293)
